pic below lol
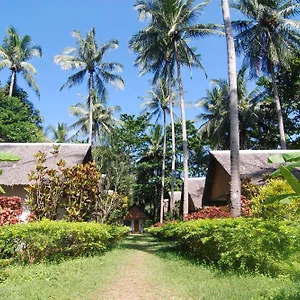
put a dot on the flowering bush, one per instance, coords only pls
(10, 210)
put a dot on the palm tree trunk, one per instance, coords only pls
(235, 184)
(184, 138)
(278, 109)
(163, 172)
(91, 89)
(12, 83)
(172, 201)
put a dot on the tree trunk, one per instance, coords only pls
(278, 109)
(184, 138)
(91, 90)
(172, 201)
(163, 172)
(235, 184)
(12, 83)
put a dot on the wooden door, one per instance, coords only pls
(136, 226)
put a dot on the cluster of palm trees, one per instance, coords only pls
(93, 116)
(266, 38)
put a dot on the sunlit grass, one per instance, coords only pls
(171, 275)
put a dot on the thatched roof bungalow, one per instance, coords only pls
(135, 219)
(253, 164)
(15, 174)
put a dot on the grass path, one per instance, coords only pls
(140, 268)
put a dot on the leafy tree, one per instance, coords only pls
(149, 169)
(88, 57)
(103, 117)
(58, 134)
(19, 121)
(15, 53)
(197, 152)
(235, 184)
(288, 79)
(267, 38)
(157, 104)
(163, 47)
(216, 112)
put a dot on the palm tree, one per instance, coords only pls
(59, 134)
(157, 104)
(103, 118)
(15, 53)
(152, 153)
(163, 47)
(235, 183)
(216, 111)
(266, 38)
(88, 57)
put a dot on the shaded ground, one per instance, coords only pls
(140, 268)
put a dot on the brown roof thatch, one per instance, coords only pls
(253, 163)
(16, 173)
(135, 212)
(196, 189)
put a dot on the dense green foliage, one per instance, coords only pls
(274, 187)
(72, 193)
(243, 244)
(36, 241)
(15, 52)
(19, 121)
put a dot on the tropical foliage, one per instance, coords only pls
(216, 116)
(267, 38)
(88, 57)
(103, 118)
(15, 53)
(163, 47)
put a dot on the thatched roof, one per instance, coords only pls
(16, 173)
(196, 189)
(253, 163)
(136, 212)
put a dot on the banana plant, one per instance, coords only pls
(285, 171)
(5, 156)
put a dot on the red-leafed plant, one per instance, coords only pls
(10, 210)
(215, 212)
(211, 212)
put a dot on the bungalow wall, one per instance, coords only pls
(221, 184)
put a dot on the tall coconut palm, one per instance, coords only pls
(157, 104)
(58, 134)
(235, 183)
(15, 52)
(103, 118)
(266, 38)
(88, 57)
(216, 114)
(163, 47)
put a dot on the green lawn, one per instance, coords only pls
(140, 268)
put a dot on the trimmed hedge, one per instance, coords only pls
(244, 244)
(46, 240)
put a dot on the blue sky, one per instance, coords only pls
(50, 23)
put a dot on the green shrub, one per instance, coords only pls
(46, 239)
(244, 244)
(277, 210)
